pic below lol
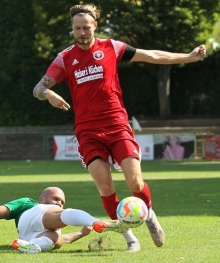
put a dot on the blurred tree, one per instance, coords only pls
(217, 31)
(214, 41)
(52, 27)
(172, 25)
(16, 59)
(26, 51)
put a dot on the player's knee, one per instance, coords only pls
(54, 236)
(136, 186)
(51, 240)
(58, 243)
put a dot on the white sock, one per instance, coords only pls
(45, 243)
(75, 217)
(129, 236)
(149, 215)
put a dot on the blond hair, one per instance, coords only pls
(88, 9)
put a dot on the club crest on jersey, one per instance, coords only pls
(98, 55)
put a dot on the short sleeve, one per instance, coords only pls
(57, 70)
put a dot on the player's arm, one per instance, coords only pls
(4, 212)
(43, 91)
(71, 237)
(163, 57)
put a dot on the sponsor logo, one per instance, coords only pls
(75, 61)
(88, 78)
(98, 55)
(88, 73)
(131, 223)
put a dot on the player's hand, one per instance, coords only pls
(198, 53)
(57, 101)
(86, 230)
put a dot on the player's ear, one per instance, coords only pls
(95, 24)
(41, 200)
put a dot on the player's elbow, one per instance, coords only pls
(35, 92)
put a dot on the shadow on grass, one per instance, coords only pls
(5, 247)
(77, 253)
(86, 253)
(170, 197)
(95, 245)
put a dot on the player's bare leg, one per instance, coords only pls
(52, 219)
(100, 171)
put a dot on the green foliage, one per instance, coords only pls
(52, 27)
(168, 25)
(22, 66)
(139, 87)
(17, 57)
(216, 33)
(199, 93)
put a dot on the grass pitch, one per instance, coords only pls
(186, 198)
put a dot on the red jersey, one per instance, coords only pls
(92, 77)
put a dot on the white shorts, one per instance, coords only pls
(30, 223)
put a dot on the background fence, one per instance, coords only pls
(36, 143)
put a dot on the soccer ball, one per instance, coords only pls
(132, 211)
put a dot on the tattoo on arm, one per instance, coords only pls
(48, 82)
(40, 89)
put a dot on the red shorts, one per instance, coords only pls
(113, 144)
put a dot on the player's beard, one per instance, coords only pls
(84, 41)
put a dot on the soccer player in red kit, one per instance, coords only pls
(101, 122)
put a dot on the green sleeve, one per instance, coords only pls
(19, 206)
